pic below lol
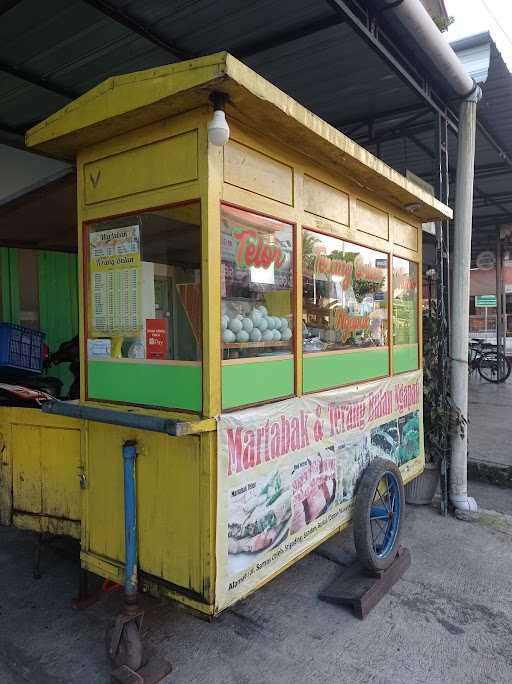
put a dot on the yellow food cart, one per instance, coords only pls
(249, 328)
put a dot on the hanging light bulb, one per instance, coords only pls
(218, 129)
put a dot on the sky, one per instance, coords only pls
(475, 16)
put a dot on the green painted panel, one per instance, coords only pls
(405, 358)
(58, 304)
(14, 285)
(333, 370)
(149, 384)
(5, 281)
(253, 383)
(10, 286)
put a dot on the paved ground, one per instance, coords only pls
(490, 432)
(448, 620)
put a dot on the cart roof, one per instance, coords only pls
(124, 103)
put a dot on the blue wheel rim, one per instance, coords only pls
(385, 515)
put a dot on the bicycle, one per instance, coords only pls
(491, 364)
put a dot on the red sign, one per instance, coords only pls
(156, 338)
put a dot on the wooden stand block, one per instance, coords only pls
(357, 588)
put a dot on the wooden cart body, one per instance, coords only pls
(140, 142)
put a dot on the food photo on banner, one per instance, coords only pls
(288, 471)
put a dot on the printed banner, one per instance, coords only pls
(287, 472)
(115, 282)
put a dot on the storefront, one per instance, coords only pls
(261, 296)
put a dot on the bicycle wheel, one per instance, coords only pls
(494, 366)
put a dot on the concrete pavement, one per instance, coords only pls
(490, 431)
(448, 620)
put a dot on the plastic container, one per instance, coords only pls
(20, 348)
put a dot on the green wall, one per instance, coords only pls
(405, 358)
(58, 298)
(149, 384)
(332, 370)
(252, 383)
(58, 304)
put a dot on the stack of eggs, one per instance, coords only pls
(255, 326)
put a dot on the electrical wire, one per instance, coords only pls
(496, 21)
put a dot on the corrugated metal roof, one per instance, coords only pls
(303, 47)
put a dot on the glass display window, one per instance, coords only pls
(405, 301)
(345, 294)
(256, 285)
(144, 286)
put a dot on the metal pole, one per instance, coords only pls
(441, 171)
(503, 295)
(460, 297)
(130, 523)
(499, 318)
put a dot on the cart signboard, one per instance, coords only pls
(287, 472)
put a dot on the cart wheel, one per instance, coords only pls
(377, 516)
(129, 650)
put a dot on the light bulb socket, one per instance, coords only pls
(218, 100)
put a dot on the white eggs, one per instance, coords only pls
(278, 322)
(262, 310)
(255, 335)
(228, 336)
(286, 334)
(271, 324)
(235, 324)
(224, 322)
(267, 336)
(277, 335)
(262, 324)
(255, 316)
(242, 336)
(284, 323)
(247, 324)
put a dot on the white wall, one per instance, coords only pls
(21, 172)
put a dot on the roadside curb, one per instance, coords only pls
(492, 473)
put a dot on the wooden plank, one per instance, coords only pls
(357, 588)
(251, 170)
(325, 201)
(404, 234)
(211, 173)
(158, 165)
(371, 220)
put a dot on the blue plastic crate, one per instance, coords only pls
(20, 348)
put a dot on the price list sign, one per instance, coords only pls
(115, 282)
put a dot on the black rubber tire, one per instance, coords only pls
(361, 514)
(498, 358)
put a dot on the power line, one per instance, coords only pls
(496, 21)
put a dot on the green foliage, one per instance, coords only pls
(440, 415)
(442, 23)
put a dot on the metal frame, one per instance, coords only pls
(368, 27)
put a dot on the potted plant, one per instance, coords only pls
(440, 416)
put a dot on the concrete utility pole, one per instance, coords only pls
(460, 298)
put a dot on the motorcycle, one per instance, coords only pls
(20, 388)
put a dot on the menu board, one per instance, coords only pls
(115, 282)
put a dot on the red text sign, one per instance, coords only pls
(156, 338)
(253, 251)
